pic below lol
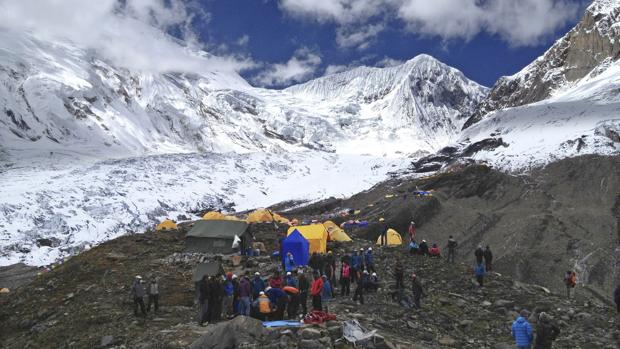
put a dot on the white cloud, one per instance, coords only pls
(131, 33)
(518, 22)
(336, 68)
(388, 62)
(300, 67)
(243, 41)
(358, 37)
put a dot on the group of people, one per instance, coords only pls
(139, 291)
(523, 333)
(484, 263)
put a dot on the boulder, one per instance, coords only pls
(230, 334)
(502, 303)
(310, 344)
(107, 340)
(447, 340)
(310, 333)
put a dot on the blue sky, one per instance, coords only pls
(484, 43)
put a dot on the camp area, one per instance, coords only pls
(217, 236)
(167, 224)
(218, 216)
(393, 238)
(298, 246)
(265, 216)
(316, 234)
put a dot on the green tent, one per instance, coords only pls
(217, 236)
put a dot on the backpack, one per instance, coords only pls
(572, 279)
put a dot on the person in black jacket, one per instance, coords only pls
(399, 274)
(452, 244)
(424, 248)
(479, 253)
(203, 296)
(546, 332)
(617, 297)
(488, 259)
(418, 292)
(304, 286)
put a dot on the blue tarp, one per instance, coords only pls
(298, 246)
(282, 323)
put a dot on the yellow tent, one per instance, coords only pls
(166, 225)
(335, 233)
(316, 234)
(217, 216)
(265, 216)
(393, 238)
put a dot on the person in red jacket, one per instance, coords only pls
(276, 280)
(434, 251)
(411, 231)
(316, 290)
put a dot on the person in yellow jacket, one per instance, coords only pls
(264, 306)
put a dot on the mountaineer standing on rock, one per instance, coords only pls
(203, 296)
(424, 248)
(383, 228)
(290, 280)
(355, 266)
(361, 284)
(137, 291)
(617, 297)
(522, 331)
(418, 292)
(570, 280)
(411, 231)
(452, 244)
(316, 292)
(488, 258)
(258, 285)
(345, 279)
(546, 332)
(276, 280)
(153, 293)
(370, 260)
(479, 254)
(327, 293)
(479, 273)
(304, 286)
(399, 274)
(229, 288)
(245, 292)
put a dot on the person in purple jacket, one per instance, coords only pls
(245, 292)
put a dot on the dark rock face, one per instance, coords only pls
(592, 43)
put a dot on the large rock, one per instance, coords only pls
(231, 334)
(310, 333)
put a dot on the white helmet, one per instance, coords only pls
(374, 274)
(370, 249)
(288, 273)
(257, 274)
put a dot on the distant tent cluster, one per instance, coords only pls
(167, 224)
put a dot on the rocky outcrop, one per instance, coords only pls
(586, 49)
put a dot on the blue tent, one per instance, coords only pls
(298, 246)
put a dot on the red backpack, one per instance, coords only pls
(346, 270)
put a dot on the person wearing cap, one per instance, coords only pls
(479, 254)
(411, 231)
(153, 296)
(245, 292)
(361, 284)
(416, 288)
(373, 282)
(137, 291)
(546, 332)
(264, 306)
(452, 244)
(424, 248)
(290, 280)
(383, 228)
(258, 285)
(304, 287)
(316, 292)
(370, 260)
(522, 331)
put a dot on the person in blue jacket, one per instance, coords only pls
(522, 331)
(327, 293)
(290, 280)
(258, 285)
(279, 298)
(370, 260)
(355, 266)
(289, 262)
(479, 272)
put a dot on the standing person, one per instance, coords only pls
(411, 231)
(546, 332)
(293, 302)
(479, 272)
(289, 262)
(383, 228)
(245, 292)
(399, 274)
(316, 291)
(304, 286)
(488, 258)
(258, 285)
(327, 293)
(137, 291)
(370, 260)
(362, 279)
(355, 266)
(290, 280)
(414, 248)
(418, 292)
(522, 331)
(264, 306)
(314, 262)
(229, 289)
(424, 248)
(203, 296)
(479, 254)
(276, 280)
(216, 296)
(153, 292)
(235, 302)
(617, 297)
(345, 279)
(570, 280)
(452, 244)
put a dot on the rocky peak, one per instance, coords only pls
(588, 48)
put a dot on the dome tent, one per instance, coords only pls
(167, 224)
(393, 238)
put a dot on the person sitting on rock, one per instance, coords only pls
(418, 292)
(617, 297)
(434, 251)
(522, 331)
(137, 291)
(488, 258)
(423, 248)
(479, 254)
(570, 280)
(546, 332)
(373, 283)
(479, 273)
(276, 280)
(414, 248)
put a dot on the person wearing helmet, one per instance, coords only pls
(257, 285)
(361, 284)
(424, 250)
(383, 229)
(264, 306)
(137, 291)
(370, 260)
(416, 288)
(290, 280)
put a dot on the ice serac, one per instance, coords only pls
(591, 46)
(422, 101)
